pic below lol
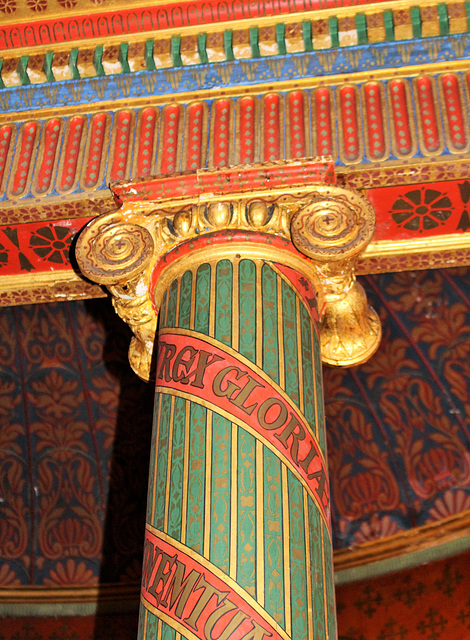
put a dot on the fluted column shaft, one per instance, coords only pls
(237, 543)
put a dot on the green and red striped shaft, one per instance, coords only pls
(237, 544)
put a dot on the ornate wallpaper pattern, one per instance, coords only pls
(398, 426)
(73, 450)
(74, 447)
(411, 605)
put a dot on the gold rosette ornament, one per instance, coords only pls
(332, 230)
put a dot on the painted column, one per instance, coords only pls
(238, 544)
(236, 266)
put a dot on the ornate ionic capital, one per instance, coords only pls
(332, 230)
(318, 229)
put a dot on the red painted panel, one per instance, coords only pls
(375, 123)
(70, 152)
(51, 139)
(428, 114)
(350, 125)
(323, 123)
(194, 134)
(454, 114)
(247, 130)
(401, 118)
(272, 137)
(24, 158)
(5, 139)
(221, 133)
(38, 246)
(95, 150)
(169, 142)
(297, 124)
(121, 146)
(424, 603)
(421, 210)
(145, 144)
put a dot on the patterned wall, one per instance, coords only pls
(77, 439)
(399, 424)
(74, 443)
(413, 605)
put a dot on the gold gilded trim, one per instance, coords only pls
(436, 244)
(244, 425)
(247, 250)
(221, 575)
(359, 77)
(429, 539)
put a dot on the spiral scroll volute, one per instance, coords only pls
(111, 250)
(336, 225)
(332, 230)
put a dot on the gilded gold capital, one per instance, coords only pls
(333, 229)
(317, 229)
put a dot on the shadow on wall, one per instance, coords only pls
(124, 526)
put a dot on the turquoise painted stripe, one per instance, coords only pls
(316, 565)
(291, 360)
(177, 470)
(168, 633)
(319, 389)
(224, 294)
(203, 288)
(274, 542)
(221, 483)
(153, 459)
(196, 478)
(270, 317)
(162, 462)
(162, 311)
(330, 591)
(186, 290)
(247, 309)
(298, 574)
(150, 629)
(172, 304)
(246, 549)
(307, 367)
(141, 632)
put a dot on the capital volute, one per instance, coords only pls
(318, 229)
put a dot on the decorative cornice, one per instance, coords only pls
(29, 24)
(197, 35)
(64, 155)
(436, 540)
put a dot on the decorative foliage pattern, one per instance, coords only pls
(411, 605)
(397, 430)
(63, 425)
(398, 426)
